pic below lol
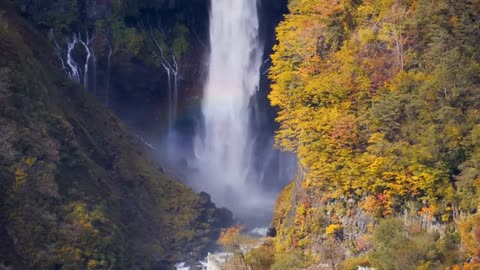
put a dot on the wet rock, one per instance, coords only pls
(271, 232)
(97, 9)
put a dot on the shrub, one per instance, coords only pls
(261, 258)
(289, 261)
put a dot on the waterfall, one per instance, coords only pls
(90, 53)
(173, 76)
(224, 150)
(58, 49)
(74, 72)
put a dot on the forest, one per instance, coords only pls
(380, 101)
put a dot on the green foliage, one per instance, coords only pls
(126, 38)
(289, 261)
(355, 262)
(261, 258)
(136, 38)
(180, 42)
(89, 239)
(126, 22)
(397, 248)
(60, 16)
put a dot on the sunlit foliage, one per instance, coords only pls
(380, 100)
(380, 109)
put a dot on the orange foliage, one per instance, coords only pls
(231, 238)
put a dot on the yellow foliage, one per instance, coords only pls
(93, 264)
(366, 36)
(375, 106)
(470, 236)
(333, 228)
(232, 239)
(30, 161)
(20, 178)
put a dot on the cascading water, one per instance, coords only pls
(74, 71)
(90, 54)
(224, 150)
(173, 77)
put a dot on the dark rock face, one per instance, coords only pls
(98, 9)
(281, 167)
(271, 232)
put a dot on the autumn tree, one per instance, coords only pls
(232, 240)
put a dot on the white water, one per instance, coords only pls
(74, 72)
(86, 44)
(224, 151)
(173, 76)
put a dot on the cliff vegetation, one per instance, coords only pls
(380, 100)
